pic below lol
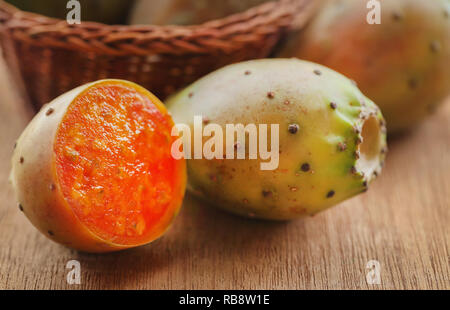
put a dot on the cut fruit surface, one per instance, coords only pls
(114, 166)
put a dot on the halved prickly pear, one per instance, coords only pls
(94, 171)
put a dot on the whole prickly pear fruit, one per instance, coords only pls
(332, 139)
(403, 63)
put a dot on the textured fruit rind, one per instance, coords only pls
(402, 64)
(318, 164)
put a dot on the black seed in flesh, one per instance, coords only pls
(317, 72)
(333, 105)
(305, 167)
(330, 194)
(20, 207)
(270, 95)
(247, 72)
(21, 160)
(293, 128)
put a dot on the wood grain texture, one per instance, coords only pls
(403, 221)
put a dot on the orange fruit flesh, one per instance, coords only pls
(114, 165)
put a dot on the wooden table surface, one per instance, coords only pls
(403, 222)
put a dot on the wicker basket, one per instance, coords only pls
(50, 56)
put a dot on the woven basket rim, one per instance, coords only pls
(222, 35)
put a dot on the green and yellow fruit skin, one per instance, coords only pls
(403, 64)
(332, 139)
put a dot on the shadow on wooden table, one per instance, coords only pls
(198, 234)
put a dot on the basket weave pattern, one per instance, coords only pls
(52, 57)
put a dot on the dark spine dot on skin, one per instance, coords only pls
(413, 83)
(270, 95)
(15, 145)
(266, 193)
(21, 160)
(305, 167)
(353, 170)
(365, 183)
(357, 155)
(435, 46)
(330, 194)
(49, 111)
(358, 140)
(342, 146)
(293, 128)
(396, 16)
(247, 72)
(51, 233)
(190, 95)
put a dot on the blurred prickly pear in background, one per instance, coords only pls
(187, 12)
(403, 64)
(104, 11)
